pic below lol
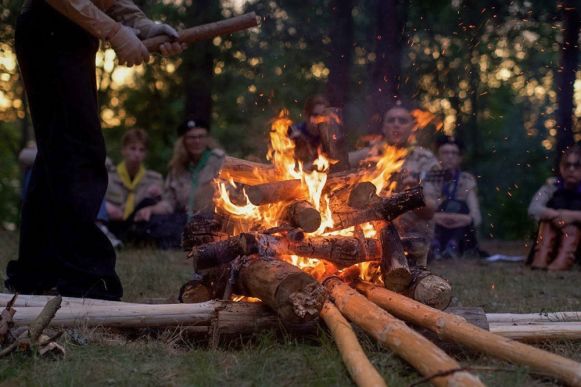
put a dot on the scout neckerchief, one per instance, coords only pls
(130, 186)
(195, 170)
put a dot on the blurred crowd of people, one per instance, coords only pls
(141, 206)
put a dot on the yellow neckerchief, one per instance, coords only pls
(130, 185)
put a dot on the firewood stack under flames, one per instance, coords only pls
(313, 243)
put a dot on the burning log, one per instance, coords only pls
(362, 195)
(293, 294)
(423, 355)
(342, 251)
(277, 191)
(246, 172)
(429, 289)
(456, 329)
(387, 208)
(200, 230)
(395, 271)
(301, 214)
(360, 368)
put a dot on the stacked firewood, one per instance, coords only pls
(254, 264)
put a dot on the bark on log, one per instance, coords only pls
(424, 356)
(26, 300)
(216, 253)
(200, 230)
(429, 289)
(358, 365)
(293, 294)
(456, 329)
(246, 172)
(233, 317)
(387, 208)
(539, 331)
(276, 191)
(303, 215)
(362, 195)
(395, 271)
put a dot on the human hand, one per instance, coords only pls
(154, 191)
(168, 48)
(129, 49)
(143, 215)
(114, 212)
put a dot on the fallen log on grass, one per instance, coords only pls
(358, 365)
(456, 329)
(232, 317)
(418, 351)
(532, 318)
(539, 331)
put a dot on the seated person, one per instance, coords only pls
(310, 136)
(131, 186)
(189, 188)
(557, 208)
(397, 128)
(458, 212)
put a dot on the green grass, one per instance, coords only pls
(151, 358)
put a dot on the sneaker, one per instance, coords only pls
(117, 244)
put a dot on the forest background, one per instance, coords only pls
(502, 76)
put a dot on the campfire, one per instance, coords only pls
(312, 243)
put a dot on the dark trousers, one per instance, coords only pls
(60, 245)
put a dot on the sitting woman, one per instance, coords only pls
(458, 212)
(188, 188)
(131, 187)
(557, 208)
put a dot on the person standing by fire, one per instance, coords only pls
(61, 248)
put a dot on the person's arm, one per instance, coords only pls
(474, 207)
(165, 206)
(538, 207)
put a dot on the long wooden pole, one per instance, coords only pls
(358, 365)
(456, 329)
(539, 331)
(393, 333)
(207, 31)
(532, 318)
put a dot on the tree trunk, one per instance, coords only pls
(566, 76)
(198, 63)
(386, 72)
(341, 52)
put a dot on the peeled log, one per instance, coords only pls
(358, 365)
(208, 318)
(394, 267)
(456, 329)
(293, 294)
(246, 172)
(429, 289)
(418, 351)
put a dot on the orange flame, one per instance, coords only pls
(281, 153)
(424, 118)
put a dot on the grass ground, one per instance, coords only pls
(167, 359)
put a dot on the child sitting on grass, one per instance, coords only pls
(557, 207)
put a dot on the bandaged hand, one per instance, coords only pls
(129, 49)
